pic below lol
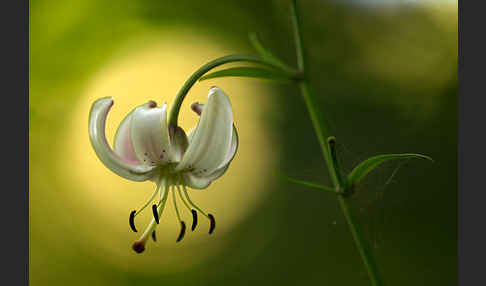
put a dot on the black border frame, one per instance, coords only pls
(471, 147)
(15, 99)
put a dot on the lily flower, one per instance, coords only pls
(147, 148)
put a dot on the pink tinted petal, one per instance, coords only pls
(123, 143)
(120, 166)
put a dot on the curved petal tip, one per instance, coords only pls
(120, 166)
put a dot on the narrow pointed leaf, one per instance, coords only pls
(253, 72)
(263, 52)
(360, 171)
(307, 184)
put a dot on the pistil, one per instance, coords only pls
(139, 245)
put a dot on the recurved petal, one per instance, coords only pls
(196, 182)
(119, 165)
(150, 135)
(211, 140)
(201, 180)
(232, 151)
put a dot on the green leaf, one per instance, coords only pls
(360, 171)
(264, 53)
(255, 72)
(307, 184)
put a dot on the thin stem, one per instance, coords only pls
(322, 133)
(320, 128)
(297, 36)
(174, 112)
(363, 248)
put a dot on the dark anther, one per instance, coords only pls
(138, 246)
(194, 220)
(213, 223)
(156, 215)
(153, 236)
(183, 231)
(131, 221)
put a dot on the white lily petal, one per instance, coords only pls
(123, 143)
(196, 182)
(178, 142)
(201, 180)
(122, 167)
(231, 152)
(150, 134)
(212, 138)
(198, 108)
(229, 157)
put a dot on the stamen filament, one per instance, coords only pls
(193, 204)
(183, 224)
(175, 204)
(182, 198)
(209, 216)
(149, 200)
(193, 212)
(134, 213)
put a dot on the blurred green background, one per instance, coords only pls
(386, 79)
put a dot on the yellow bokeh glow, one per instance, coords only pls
(154, 68)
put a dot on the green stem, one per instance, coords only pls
(363, 248)
(176, 106)
(322, 133)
